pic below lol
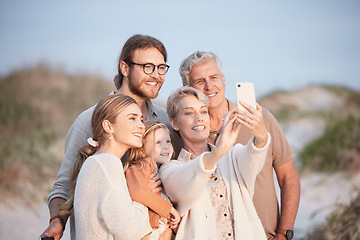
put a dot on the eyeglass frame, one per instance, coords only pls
(154, 66)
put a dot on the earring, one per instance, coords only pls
(110, 138)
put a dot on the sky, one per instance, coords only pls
(277, 45)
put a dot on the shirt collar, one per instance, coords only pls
(185, 156)
(150, 110)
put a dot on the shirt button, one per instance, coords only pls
(229, 234)
(215, 179)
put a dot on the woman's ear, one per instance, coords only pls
(124, 68)
(106, 124)
(173, 125)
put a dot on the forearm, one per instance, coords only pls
(153, 201)
(210, 159)
(54, 207)
(185, 183)
(290, 198)
(250, 160)
(140, 192)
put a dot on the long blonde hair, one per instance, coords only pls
(107, 109)
(138, 154)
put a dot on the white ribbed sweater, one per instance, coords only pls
(103, 207)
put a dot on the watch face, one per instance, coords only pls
(289, 234)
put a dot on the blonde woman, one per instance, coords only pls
(99, 195)
(213, 186)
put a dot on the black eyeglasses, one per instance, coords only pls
(149, 68)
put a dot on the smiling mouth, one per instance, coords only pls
(199, 128)
(137, 135)
(151, 83)
(164, 154)
(211, 95)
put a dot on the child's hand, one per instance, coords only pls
(174, 219)
(155, 183)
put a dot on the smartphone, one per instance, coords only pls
(245, 92)
(46, 238)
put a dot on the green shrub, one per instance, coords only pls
(337, 150)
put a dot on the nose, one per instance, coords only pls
(208, 84)
(164, 145)
(155, 73)
(141, 126)
(198, 117)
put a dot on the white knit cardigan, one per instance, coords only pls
(103, 206)
(185, 182)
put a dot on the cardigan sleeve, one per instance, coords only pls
(248, 161)
(137, 181)
(184, 183)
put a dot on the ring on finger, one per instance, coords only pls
(250, 122)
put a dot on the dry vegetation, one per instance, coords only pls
(343, 223)
(37, 107)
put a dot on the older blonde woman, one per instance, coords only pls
(212, 185)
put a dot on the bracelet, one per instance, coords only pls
(61, 220)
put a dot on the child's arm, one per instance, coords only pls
(138, 182)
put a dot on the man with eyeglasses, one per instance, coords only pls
(203, 71)
(141, 73)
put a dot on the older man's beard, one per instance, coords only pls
(136, 88)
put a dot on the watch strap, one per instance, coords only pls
(281, 231)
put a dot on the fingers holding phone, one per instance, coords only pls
(245, 96)
(250, 112)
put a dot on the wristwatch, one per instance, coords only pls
(289, 234)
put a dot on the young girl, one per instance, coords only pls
(98, 194)
(157, 148)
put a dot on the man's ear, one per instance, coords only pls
(106, 124)
(172, 123)
(223, 78)
(124, 68)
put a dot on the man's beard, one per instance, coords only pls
(135, 88)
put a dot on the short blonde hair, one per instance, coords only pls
(172, 106)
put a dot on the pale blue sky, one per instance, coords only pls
(277, 44)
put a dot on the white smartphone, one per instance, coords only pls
(245, 92)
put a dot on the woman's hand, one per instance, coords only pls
(253, 120)
(229, 131)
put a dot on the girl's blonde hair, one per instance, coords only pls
(138, 154)
(107, 109)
